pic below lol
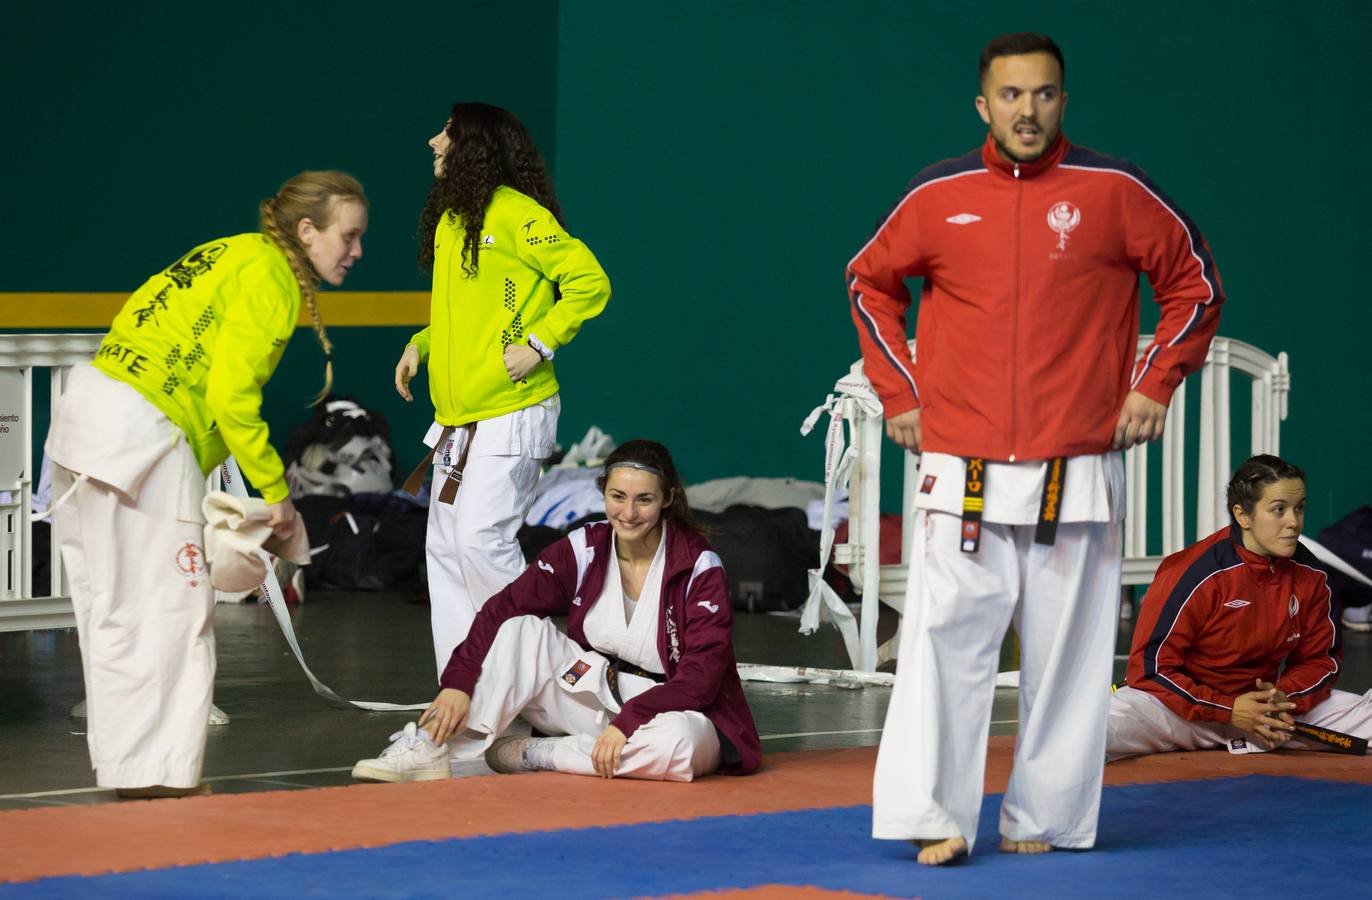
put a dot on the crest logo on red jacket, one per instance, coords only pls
(1063, 218)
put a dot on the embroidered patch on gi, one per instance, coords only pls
(190, 562)
(928, 486)
(1237, 603)
(970, 532)
(1294, 606)
(579, 668)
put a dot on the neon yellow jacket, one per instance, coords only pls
(524, 254)
(199, 340)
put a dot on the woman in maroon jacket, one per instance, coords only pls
(642, 685)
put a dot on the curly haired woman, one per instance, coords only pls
(175, 387)
(510, 288)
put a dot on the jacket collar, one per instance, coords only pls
(1255, 562)
(684, 546)
(999, 164)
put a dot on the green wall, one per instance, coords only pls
(139, 130)
(726, 159)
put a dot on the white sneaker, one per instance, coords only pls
(513, 754)
(1358, 618)
(410, 757)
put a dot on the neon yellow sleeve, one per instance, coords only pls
(546, 246)
(257, 325)
(420, 339)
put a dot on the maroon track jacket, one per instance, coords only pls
(694, 641)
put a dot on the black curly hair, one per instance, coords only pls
(490, 147)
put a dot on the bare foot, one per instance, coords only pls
(940, 851)
(1009, 846)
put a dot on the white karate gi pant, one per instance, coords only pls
(1064, 601)
(470, 545)
(1140, 723)
(143, 602)
(522, 676)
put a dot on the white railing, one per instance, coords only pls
(23, 605)
(1271, 385)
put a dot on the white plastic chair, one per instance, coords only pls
(887, 584)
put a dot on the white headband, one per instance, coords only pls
(626, 464)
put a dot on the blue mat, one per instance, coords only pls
(1251, 837)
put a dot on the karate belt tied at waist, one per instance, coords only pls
(618, 665)
(448, 493)
(974, 502)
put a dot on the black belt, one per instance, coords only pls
(617, 666)
(974, 502)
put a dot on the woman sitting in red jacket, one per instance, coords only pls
(1235, 639)
(643, 684)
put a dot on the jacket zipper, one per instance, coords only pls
(1014, 312)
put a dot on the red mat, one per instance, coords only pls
(116, 837)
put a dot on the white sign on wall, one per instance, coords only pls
(13, 428)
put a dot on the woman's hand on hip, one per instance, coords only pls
(520, 360)
(407, 368)
(447, 715)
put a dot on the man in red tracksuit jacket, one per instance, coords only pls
(1023, 383)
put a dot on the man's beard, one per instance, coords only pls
(1019, 156)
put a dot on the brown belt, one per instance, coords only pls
(447, 493)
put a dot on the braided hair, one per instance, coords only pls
(309, 195)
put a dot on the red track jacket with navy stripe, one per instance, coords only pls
(1028, 319)
(695, 635)
(1218, 616)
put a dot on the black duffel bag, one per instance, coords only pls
(767, 554)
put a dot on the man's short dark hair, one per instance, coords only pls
(1019, 44)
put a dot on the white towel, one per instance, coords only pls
(235, 530)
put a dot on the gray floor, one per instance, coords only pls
(376, 647)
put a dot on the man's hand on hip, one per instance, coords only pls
(1141, 420)
(905, 430)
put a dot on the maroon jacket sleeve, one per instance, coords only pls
(543, 589)
(1171, 617)
(707, 652)
(1311, 668)
(878, 299)
(1163, 243)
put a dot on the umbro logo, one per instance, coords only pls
(1238, 604)
(963, 219)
